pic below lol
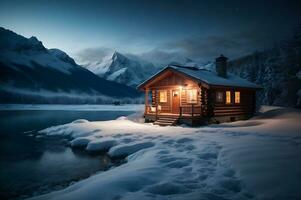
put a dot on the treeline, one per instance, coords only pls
(277, 70)
(23, 98)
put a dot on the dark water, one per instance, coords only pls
(31, 165)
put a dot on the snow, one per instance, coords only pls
(117, 73)
(127, 149)
(212, 78)
(80, 142)
(207, 76)
(117, 67)
(44, 58)
(100, 67)
(101, 144)
(253, 159)
(16, 49)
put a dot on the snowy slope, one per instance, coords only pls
(27, 66)
(254, 159)
(131, 69)
(119, 68)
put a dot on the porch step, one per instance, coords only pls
(166, 121)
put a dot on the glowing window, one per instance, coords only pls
(237, 97)
(228, 97)
(192, 96)
(163, 96)
(219, 97)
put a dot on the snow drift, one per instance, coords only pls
(254, 159)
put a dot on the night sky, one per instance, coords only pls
(200, 30)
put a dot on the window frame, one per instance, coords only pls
(235, 97)
(228, 97)
(162, 91)
(217, 97)
(188, 100)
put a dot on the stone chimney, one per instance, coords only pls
(221, 66)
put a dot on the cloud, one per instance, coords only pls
(92, 54)
(233, 45)
(200, 48)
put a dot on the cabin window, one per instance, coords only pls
(228, 97)
(163, 96)
(237, 97)
(192, 96)
(219, 97)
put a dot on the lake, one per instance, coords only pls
(33, 165)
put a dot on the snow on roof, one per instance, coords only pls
(209, 77)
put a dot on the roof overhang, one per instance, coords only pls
(143, 85)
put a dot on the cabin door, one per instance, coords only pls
(175, 107)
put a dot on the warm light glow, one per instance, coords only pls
(175, 93)
(153, 109)
(180, 87)
(237, 97)
(192, 96)
(163, 96)
(228, 97)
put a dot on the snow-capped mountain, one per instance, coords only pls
(130, 69)
(26, 65)
(122, 69)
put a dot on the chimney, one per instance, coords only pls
(221, 66)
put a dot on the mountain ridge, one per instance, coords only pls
(127, 68)
(27, 65)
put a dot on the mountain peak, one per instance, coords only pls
(118, 57)
(13, 41)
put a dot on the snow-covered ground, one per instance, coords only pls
(255, 159)
(81, 107)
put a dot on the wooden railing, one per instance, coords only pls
(152, 110)
(192, 110)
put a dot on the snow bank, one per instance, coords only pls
(254, 159)
(127, 149)
(80, 142)
(101, 144)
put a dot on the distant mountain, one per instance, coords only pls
(277, 69)
(122, 69)
(129, 69)
(27, 67)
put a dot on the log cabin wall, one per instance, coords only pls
(168, 80)
(173, 81)
(204, 101)
(165, 106)
(245, 107)
(154, 96)
(184, 101)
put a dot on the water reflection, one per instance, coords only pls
(31, 165)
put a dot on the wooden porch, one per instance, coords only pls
(187, 114)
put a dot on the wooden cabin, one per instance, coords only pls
(194, 96)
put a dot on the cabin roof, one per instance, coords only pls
(207, 76)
